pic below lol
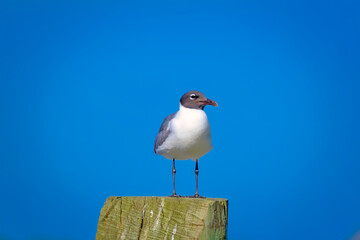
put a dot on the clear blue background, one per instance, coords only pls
(85, 87)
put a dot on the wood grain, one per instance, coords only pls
(163, 218)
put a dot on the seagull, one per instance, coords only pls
(186, 134)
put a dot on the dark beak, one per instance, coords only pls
(211, 102)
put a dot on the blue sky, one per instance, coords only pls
(84, 88)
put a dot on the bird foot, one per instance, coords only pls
(174, 195)
(197, 196)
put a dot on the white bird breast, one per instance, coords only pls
(190, 136)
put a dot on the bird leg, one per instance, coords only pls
(173, 173)
(196, 174)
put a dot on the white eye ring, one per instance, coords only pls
(192, 96)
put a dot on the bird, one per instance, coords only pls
(186, 133)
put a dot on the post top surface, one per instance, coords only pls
(185, 198)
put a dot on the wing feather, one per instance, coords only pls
(163, 132)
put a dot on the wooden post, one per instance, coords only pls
(163, 218)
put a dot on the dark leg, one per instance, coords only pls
(173, 173)
(196, 174)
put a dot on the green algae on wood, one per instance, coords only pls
(163, 218)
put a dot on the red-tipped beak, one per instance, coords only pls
(211, 102)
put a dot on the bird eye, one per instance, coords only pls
(193, 97)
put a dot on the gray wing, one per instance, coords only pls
(163, 132)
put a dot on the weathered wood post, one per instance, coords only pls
(163, 218)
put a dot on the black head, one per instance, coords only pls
(196, 100)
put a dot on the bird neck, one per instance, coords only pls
(182, 108)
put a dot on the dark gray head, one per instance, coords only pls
(196, 100)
